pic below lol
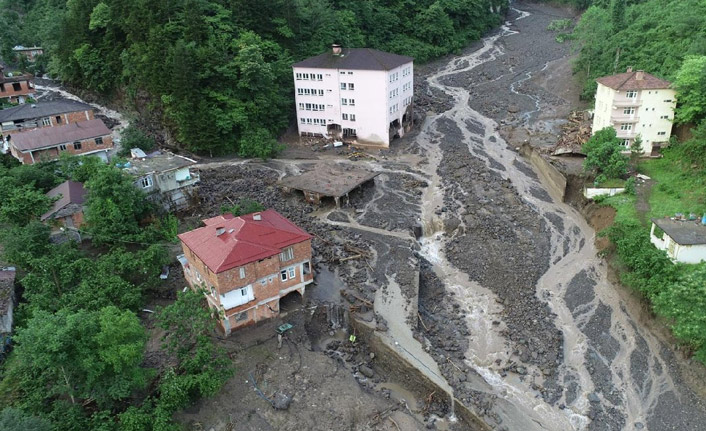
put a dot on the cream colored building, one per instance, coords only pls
(683, 240)
(360, 95)
(636, 104)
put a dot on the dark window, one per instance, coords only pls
(16, 86)
(2, 87)
(99, 141)
(241, 316)
(62, 147)
(77, 145)
(58, 119)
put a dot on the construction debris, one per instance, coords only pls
(575, 133)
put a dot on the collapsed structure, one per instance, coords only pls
(247, 264)
(328, 180)
(15, 88)
(360, 95)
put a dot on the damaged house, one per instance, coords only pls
(360, 95)
(247, 264)
(67, 209)
(17, 88)
(166, 178)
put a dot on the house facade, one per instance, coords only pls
(636, 104)
(360, 95)
(67, 210)
(166, 178)
(46, 144)
(247, 264)
(683, 240)
(16, 89)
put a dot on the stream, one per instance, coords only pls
(615, 374)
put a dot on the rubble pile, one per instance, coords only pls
(574, 134)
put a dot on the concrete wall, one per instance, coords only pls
(592, 192)
(550, 175)
(677, 252)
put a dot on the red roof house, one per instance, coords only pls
(247, 264)
(68, 209)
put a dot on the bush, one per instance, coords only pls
(132, 137)
(559, 24)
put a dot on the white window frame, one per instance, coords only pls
(242, 272)
(146, 182)
(344, 116)
(632, 94)
(292, 272)
(351, 102)
(344, 101)
(352, 117)
(46, 121)
(287, 254)
(343, 85)
(283, 275)
(629, 111)
(351, 86)
(626, 127)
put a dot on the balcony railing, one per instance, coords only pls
(621, 102)
(626, 134)
(623, 118)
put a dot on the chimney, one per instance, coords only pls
(257, 217)
(629, 69)
(336, 49)
(640, 75)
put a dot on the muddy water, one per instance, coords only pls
(614, 374)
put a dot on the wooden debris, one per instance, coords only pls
(575, 133)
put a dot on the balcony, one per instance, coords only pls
(624, 102)
(626, 134)
(623, 118)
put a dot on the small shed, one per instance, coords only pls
(683, 240)
(328, 180)
(7, 298)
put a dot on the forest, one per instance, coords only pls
(217, 73)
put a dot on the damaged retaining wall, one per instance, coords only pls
(551, 176)
(396, 368)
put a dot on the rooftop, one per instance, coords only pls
(41, 109)
(356, 59)
(15, 78)
(26, 48)
(329, 179)
(227, 242)
(630, 80)
(53, 136)
(69, 192)
(157, 162)
(7, 287)
(684, 232)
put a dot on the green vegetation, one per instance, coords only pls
(132, 137)
(219, 72)
(559, 24)
(79, 344)
(244, 206)
(604, 156)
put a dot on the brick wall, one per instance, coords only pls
(8, 90)
(66, 118)
(87, 145)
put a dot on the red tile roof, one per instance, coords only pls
(53, 136)
(243, 240)
(629, 81)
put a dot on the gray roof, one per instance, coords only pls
(329, 179)
(53, 136)
(683, 232)
(157, 162)
(356, 59)
(42, 109)
(69, 192)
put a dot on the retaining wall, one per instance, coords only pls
(551, 176)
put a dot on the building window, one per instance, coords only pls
(16, 86)
(283, 275)
(350, 73)
(300, 91)
(629, 111)
(302, 120)
(301, 106)
(344, 101)
(664, 117)
(62, 147)
(626, 127)
(343, 73)
(306, 268)
(661, 133)
(146, 182)
(321, 92)
(344, 116)
(58, 119)
(298, 76)
(351, 102)
(319, 77)
(349, 132)
(308, 121)
(668, 101)
(292, 272)
(99, 141)
(343, 85)
(631, 94)
(77, 145)
(351, 86)
(46, 121)
(242, 272)
(306, 76)
(286, 254)
(352, 117)
(308, 106)
(625, 143)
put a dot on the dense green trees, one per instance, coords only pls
(218, 71)
(604, 155)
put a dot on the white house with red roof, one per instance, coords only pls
(247, 264)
